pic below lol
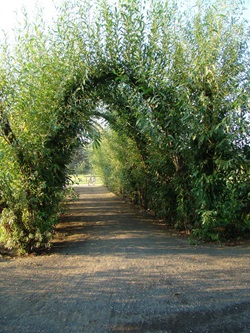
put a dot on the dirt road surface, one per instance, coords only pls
(114, 269)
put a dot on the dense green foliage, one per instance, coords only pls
(173, 85)
(182, 97)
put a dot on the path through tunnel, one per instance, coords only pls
(115, 269)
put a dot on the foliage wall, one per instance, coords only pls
(182, 95)
(171, 79)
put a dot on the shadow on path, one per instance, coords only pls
(115, 269)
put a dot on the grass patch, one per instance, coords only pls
(87, 179)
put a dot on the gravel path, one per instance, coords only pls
(113, 269)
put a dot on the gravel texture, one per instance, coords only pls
(115, 269)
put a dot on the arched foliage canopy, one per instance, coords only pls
(173, 82)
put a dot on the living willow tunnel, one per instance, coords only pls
(172, 81)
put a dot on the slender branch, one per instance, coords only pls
(6, 129)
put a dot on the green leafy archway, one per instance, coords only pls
(173, 82)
